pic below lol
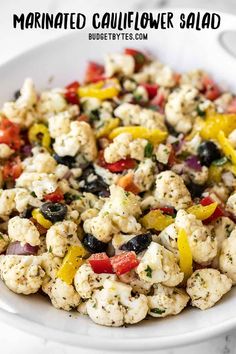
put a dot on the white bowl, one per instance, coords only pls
(64, 59)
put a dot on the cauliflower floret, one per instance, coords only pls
(15, 199)
(124, 145)
(60, 236)
(7, 201)
(117, 214)
(227, 260)
(221, 228)
(22, 111)
(23, 230)
(160, 74)
(163, 153)
(90, 104)
(21, 274)
(198, 177)
(207, 286)
(181, 108)
(86, 281)
(101, 227)
(87, 201)
(39, 183)
(168, 238)
(139, 286)
(201, 241)
(60, 123)
(166, 301)
(51, 103)
(50, 265)
(5, 151)
(231, 203)
(107, 176)
(144, 175)
(158, 265)
(4, 242)
(114, 305)
(170, 190)
(119, 63)
(193, 78)
(79, 139)
(62, 295)
(41, 162)
(132, 114)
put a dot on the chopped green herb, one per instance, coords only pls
(148, 150)
(158, 311)
(33, 194)
(154, 108)
(138, 98)
(50, 249)
(139, 58)
(94, 115)
(220, 162)
(71, 197)
(148, 271)
(200, 112)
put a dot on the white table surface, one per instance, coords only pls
(14, 42)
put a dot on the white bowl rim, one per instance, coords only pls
(107, 344)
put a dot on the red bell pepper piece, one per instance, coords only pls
(71, 94)
(94, 72)
(168, 211)
(12, 169)
(100, 263)
(217, 213)
(151, 90)
(211, 90)
(139, 58)
(124, 262)
(121, 165)
(55, 197)
(10, 134)
(158, 102)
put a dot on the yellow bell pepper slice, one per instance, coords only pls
(38, 216)
(40, 129)
(185, 254)
(71, 263)
(226, 147)
(155, 136)
(202, 212)
(108, 127)
(215, 122)
(155, 219)
(102, 90)
(215, 172)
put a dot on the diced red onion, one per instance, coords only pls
(26, 150)
(194, 163)
(67, 175)
(25, 250)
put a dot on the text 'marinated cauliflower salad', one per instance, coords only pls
(118, 194)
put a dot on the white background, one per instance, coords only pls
(14, 42)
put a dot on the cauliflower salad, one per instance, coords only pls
(118, 193)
